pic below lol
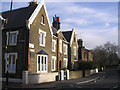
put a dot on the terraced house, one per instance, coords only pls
(72, 48)
(31, 44)
(83, 53)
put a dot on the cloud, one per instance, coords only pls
(107, 24)
(93, 24)
(92, 38)
(76, 21)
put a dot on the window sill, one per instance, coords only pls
(65, 53)
(41, 71)
(12, 44)
(42, 45)
(53, 50)
(42, 24)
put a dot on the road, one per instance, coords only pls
(107, 79)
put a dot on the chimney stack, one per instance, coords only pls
(33, 2)
(56, 22)
(80, 42)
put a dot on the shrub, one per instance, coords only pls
(83, 65)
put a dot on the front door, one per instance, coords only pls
(60, 64)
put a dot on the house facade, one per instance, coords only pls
(83, 53)
(62, 48)
(31, 44)
(72, 48)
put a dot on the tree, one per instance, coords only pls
(106, 54)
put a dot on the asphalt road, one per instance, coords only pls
(109, 79)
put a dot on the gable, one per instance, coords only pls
(67, 35)
(73, 36)
(61, 35)
(35, 13)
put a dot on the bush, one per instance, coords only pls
(83, 65)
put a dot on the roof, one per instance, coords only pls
(54, 30)
(42, 52)
(75, 58)
(67, 35)
(17, 18)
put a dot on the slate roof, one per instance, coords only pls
(54, 31)
(67, 35)
(75, 58)
(42, 52)
(17, 18)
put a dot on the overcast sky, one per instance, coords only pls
(94, 22)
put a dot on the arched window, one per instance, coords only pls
(42, 19)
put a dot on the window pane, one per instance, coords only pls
(38, 63)
(10, 39)
(45, 64)
(13, 59)
(42, 19)
(41, 38)
(14, 37)
(53, 64)
(42, 63)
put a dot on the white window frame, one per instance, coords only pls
(54, 42)
(65, 49)
(74, 50)
(65, 60)
(44, 66)
(43, 20)
(60, 46)
(8, 37)
(7, 62)
(54, 57)
(44, 37)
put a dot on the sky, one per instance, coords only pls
(94, 22)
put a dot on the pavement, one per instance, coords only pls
(55, 84)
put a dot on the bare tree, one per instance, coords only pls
(106, 54)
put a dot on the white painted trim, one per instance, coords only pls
(32, 50)
(7, 62)
(75, 50)
(62, 34)
(55, 36)
(44, 37)
(31, 45)
(12, 80)
(60, 45)
(65, 59)
(54, 57)
(35, 13)
(54, 45)
(66, 47)
(2, 18)
(40, 64)
(17, 32)
(42, 23)
(65, 41)
(72, 37)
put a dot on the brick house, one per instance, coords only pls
(72, 48)
(31, 44)
(83, 53)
